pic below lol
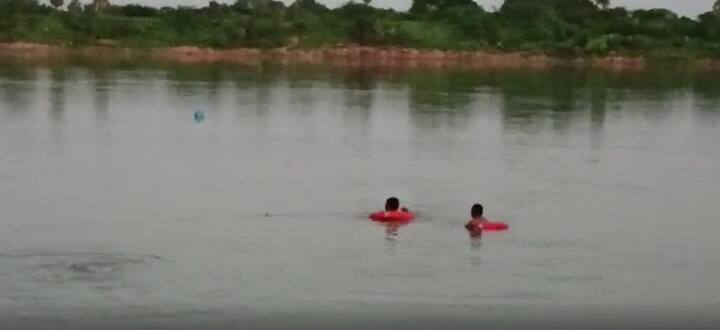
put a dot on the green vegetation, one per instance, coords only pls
(558, 27)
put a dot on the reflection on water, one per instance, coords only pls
(476, 243)
(102, 167)
(391, 233)
(104, 84)
(17, 87)
(57, 94)
(435, 98)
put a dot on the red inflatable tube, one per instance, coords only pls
(491, 226)
(392, 216)
(495, 226)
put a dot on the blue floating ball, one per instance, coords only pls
(199, 116)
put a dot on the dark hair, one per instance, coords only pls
(392, 204)
(476, 211)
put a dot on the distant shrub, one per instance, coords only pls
(138, 11)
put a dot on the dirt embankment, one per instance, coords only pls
(337, 56)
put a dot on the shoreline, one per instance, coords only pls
(343, 56)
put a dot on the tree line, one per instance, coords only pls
(558, 27)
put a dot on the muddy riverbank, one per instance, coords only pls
(345, 56)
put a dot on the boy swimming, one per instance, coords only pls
(393, 212)
(392, 204)
(477, 220)
(478, 223)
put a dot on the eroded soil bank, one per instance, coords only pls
(336, 56)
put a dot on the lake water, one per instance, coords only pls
(119, 209)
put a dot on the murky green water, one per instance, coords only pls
(117, 207)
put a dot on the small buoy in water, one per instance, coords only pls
(199, 116)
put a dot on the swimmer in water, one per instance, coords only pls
(393, 205)
(475, 225)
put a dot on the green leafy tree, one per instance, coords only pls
(432, 6)
(57, 3)
(709, 26)
(362, 22)
(250, 5)
(309, 5)
(604, 4)
(214, 8)
(363, 31)
(7, 19)
(568, 27)
(75, 7)
(10, 11)
(100, 6)
(133, 10)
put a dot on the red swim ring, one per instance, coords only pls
(495, 226)
(491, 226)
(392, 216)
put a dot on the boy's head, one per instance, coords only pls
(392, 204)
(476, 211)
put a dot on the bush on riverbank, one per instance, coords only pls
(558, 27)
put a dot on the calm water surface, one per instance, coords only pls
(117, 207)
